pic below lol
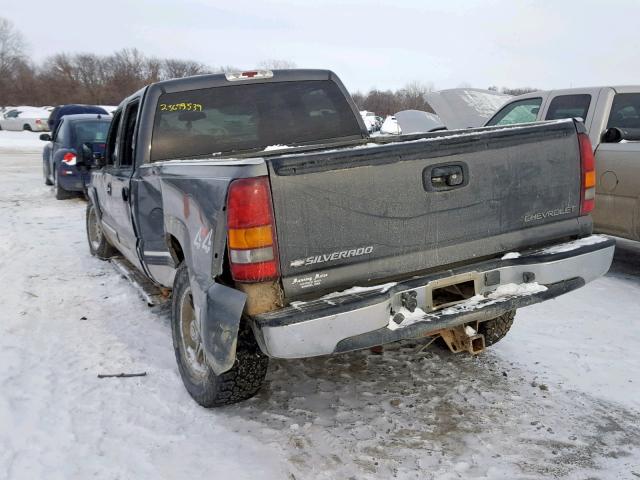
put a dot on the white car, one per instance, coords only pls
(25, 118)
(390, 126)
(370, 120)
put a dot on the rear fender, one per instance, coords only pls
(93, 198)
(194, 214)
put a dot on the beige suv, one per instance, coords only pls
(612, 118)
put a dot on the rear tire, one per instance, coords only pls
(27, 127)
(497, 328)
(99, 246)
(208, 389)
(45, 175)
(61, 193)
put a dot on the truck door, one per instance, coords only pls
(118, 180)
(617, 209)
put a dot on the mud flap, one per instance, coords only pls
(220, 326)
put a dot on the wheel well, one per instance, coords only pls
(176, 249)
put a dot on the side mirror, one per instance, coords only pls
(617, 134)
(45, 137)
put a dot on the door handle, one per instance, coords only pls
(447, 176)
(125, 194)
(108, 188)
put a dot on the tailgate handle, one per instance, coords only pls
(447, 176)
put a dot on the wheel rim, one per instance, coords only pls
(190, 338)
(94, 229)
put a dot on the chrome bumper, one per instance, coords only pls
(358, 319)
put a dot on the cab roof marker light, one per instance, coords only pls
(248, 75)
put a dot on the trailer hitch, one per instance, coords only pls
(463, 338)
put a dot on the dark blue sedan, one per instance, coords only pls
(63, 157)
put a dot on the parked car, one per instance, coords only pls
(72, 109)
(285, 231)
(76, 138)
(612, 118)
(390, 126)
(460, 108)
(370, 121)
(25, 118)
(418, 121)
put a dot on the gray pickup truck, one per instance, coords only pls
(280, 229)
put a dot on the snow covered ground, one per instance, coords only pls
(21, 142)
(558, 398)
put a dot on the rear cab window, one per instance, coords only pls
(248, 117)
(625, 111)
(521, 111)
(569, 106)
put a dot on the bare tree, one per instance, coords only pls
(387, 102)
(12, 55)
(12, 44)
(174, 68)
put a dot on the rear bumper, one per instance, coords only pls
(362, 318)
(73, 179)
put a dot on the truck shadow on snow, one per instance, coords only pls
(626, 260)
(407, 409)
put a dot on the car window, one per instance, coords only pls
(249, 116)
(521, 111)
(90, 131)
(61, 133)
(569, 106)
(625, 111)
(113, 149)
(127, 143)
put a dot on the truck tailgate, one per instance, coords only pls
(360, 215)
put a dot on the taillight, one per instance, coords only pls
(69, 158)
(253, 250)
(588, 177)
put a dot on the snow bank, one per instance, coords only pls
(569, 246)
(21, 141)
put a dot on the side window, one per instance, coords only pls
(569, 106)
(60, 135)
(521, 111)
(625, 111)
(128, 130)
(112, 150)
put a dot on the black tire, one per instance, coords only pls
(45, 175)
(99, 246)
(26, 127)
(61, 193)
(496, 329)
(208, 389)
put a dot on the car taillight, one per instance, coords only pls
(588, 177)
(69, 158)
(253, 250)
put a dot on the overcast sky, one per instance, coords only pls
(383, 44)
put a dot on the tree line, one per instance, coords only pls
(107, 79)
